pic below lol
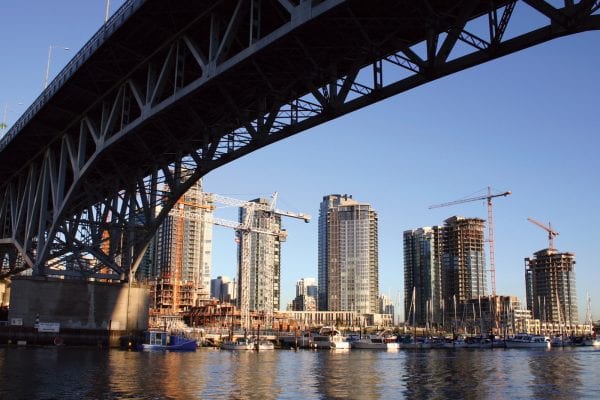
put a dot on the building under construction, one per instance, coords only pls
(214, 315)
(550, 285)
(183, 255)
(264, 275)
(444, 268)
(463, 260)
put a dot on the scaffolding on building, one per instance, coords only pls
(171, 292)
(266, 227)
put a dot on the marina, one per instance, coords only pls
(331, 338)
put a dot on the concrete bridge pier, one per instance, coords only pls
(71, 308)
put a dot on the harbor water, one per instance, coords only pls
(90, 373)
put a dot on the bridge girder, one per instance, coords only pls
(225, 79)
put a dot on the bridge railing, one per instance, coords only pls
(115, 21)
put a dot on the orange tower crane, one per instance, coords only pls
(489, 198)
(551, 232)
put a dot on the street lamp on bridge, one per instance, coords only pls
(48, 64)
(7, 108)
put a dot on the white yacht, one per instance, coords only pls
(376, 342)
(330, 338)
(264, 344)
(241, 343)
(525, 340)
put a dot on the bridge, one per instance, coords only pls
(167, 91)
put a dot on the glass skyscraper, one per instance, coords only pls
(423, 275)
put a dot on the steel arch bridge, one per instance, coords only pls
(169, 90)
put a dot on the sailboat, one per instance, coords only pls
(412, 341)
(591, 339)
(560, 340)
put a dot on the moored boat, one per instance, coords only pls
(330, 338)
(162, 340)
(525, 340)
(457, 343)
(591, 341)
(376, 342)
(241, 343)
(561, 341)
(264, 345)
(411, 342)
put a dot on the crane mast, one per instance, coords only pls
(488, 198)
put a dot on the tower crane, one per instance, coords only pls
(270, 231)
(489, 198)
(551, 232)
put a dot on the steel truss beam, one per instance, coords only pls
(91, 202)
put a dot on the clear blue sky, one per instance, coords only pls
(528, 122)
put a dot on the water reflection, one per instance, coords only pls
(555, 377)
(460, 373)
(250, 375)
(67, 373)
(344, 375)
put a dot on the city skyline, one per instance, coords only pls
(526, 122)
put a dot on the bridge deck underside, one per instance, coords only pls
(352, 34)
(192, 85)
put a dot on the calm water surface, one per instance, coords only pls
(88, 373)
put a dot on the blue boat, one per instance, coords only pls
(161, 340)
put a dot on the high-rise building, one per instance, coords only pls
(306, 295)
(264, 286)
(184, 253)
(223, 289)
(464, 275)
(328, 203)
(348, 256)
(444, 268)
(386, 305)
(550, 286)
(147, 269)
(423, 274)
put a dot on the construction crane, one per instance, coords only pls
(270, 230)
(489, 198)
(551, 232)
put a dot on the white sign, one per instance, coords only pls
(48, 327)
(16, 321)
